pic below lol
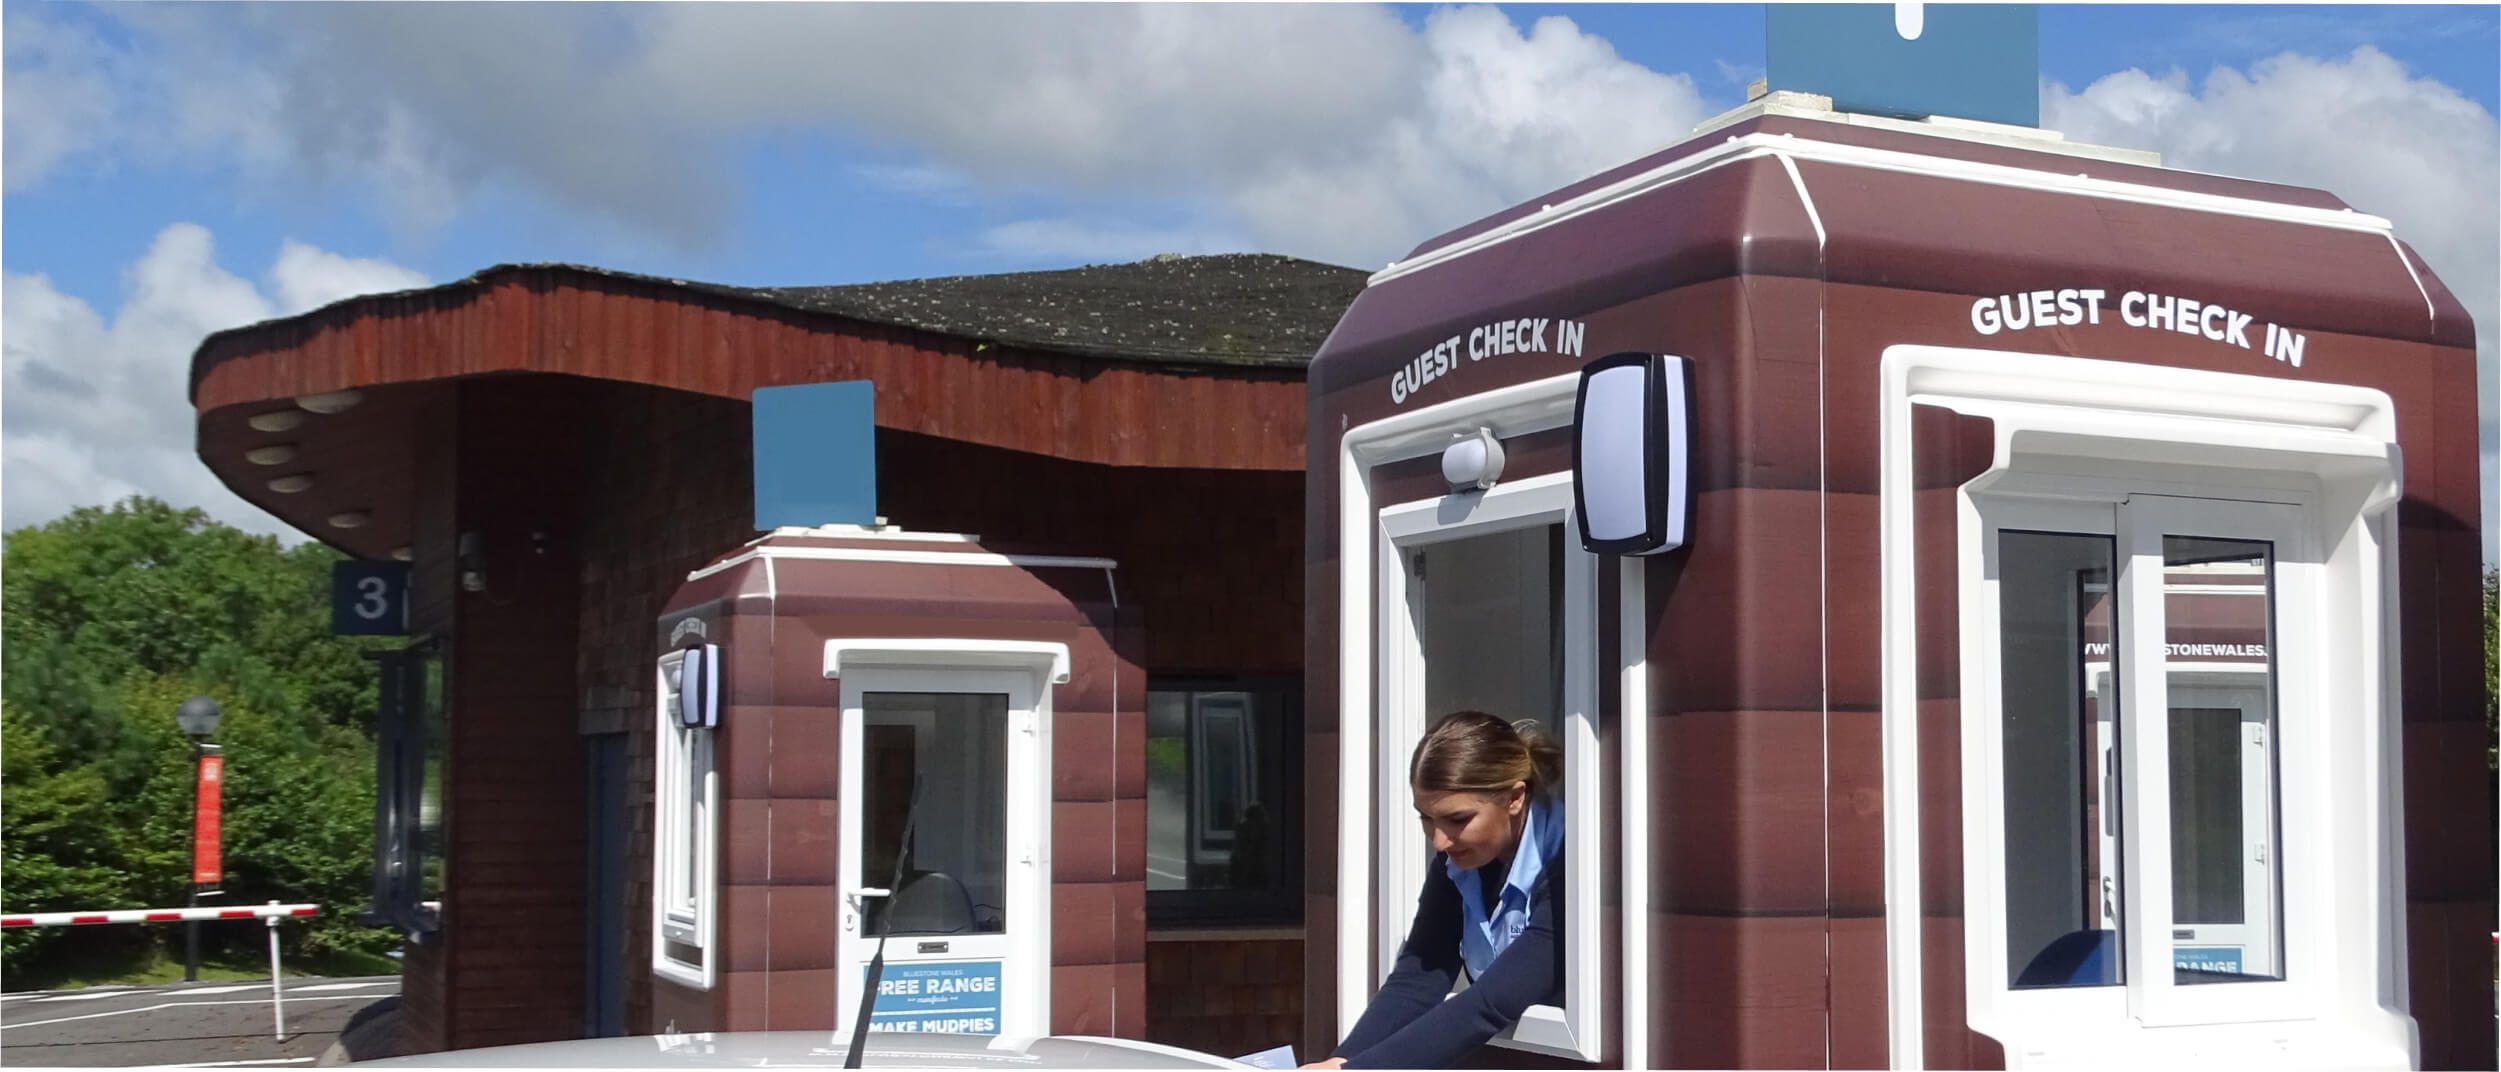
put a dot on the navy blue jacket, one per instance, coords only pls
(1410, 1025)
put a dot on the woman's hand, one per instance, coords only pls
(1333, 1062)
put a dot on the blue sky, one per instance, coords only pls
(173, 170)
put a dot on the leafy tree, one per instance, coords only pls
(111, 616)
(53, 849)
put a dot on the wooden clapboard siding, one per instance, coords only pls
(573, 322)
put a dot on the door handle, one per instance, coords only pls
(851, 918)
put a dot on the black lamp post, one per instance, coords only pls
(198, 718)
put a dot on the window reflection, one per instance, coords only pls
(1222, 822)
(2060, 759)
(2218, 667)
(953, 867)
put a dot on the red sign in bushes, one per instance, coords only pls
(204, 863)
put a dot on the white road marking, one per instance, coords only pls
(236, 1064)
(340, 986)
(153, 1008)
(96, 993)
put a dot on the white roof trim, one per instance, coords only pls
(1738, 149)
(906, 557)
(862, 532)
(1040, 656)
(1792, 104)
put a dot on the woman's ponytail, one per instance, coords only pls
(1545, 757)
(1474, 752)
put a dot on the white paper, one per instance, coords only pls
(1280, 1057)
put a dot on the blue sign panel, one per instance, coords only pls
(368, 598)
(2212, 958)
(1971, 61)
(816, 454)
(960, 996)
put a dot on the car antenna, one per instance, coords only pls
(885, 922)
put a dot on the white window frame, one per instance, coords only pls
(1534, 503)
(685, 830)
(2073, 438)
(1373, 917)
(1023, 671)
(2135, 525)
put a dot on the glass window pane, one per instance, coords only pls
(2218, 667)
(1488, 614)
(1217, 789)
(436, 732)
(2059, 712)
(697, 746)
(954, 868)
(1167, 790)
(2206, 876)
(1222, 763)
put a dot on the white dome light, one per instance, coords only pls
(1474, 462)
(333, 402)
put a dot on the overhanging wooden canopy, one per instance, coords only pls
(1180, 362)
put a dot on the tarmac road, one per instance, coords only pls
(225, 1023)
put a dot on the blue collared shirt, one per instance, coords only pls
(1488, 930)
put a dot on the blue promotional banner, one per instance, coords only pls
(815, 454)
(959, 996)
(368, 598)
(1972, 61)
(2211, 958)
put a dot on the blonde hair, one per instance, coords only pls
(1474, 752)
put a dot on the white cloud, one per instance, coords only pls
(96, 411)
(2406, 148)
(308, 278)
(1093, 242)
(1330, 130)
(1738, 74)
(1334, 131)
(57, 96)
(1089, 96)
(1503, 116)
(924, 181)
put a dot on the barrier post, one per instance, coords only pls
(277, 990)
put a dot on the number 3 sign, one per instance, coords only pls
(368, 598)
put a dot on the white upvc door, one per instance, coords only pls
(2216, 903)
(963, 903)
(2228, 924)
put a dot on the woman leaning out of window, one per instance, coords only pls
(1492, 905)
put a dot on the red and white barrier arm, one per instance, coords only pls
(157, 915)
